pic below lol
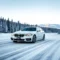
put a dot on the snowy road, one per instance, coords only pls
(41, 50)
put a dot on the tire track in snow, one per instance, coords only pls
(7, 55)
(47, 55)
(37, 50)
(56, 55)
(15, 46)
(4, 44)
(10, 48)
(19, 55)
(52, 51)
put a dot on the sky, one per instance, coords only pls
(31, 11)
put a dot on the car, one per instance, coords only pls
(28, 34)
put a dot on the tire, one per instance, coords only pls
(34, 39)
(15, 41)
(43, 37)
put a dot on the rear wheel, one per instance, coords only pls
(34, 39)
(43, 37)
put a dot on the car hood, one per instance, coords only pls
(25, 32)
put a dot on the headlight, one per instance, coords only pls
(28, 34)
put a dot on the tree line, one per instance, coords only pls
(7, 26)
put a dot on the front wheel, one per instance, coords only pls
(15, 41)
(34, 39)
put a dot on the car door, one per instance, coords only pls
(39, 34)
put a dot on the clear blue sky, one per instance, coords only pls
(31, 11)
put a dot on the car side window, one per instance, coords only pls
(39, 30)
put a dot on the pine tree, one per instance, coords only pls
(8, 25)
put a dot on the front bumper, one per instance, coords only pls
(22, 39)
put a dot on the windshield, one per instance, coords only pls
(29, 29)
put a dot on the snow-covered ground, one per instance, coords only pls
(52, 36)
(5, 37)
(41, 50)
